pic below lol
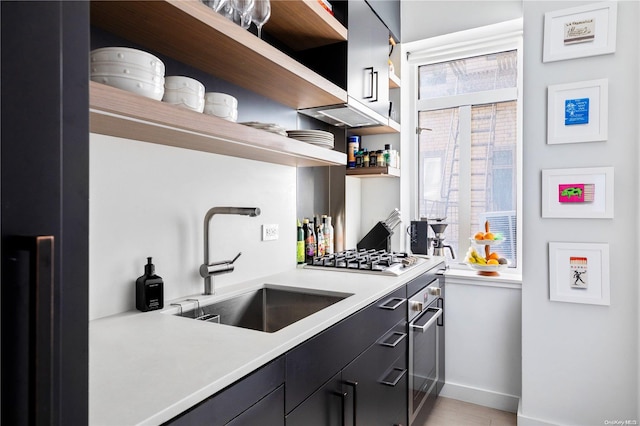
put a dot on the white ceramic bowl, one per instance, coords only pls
(128, 56)
(153, 90)
(184, 92)
(220, 99)
(114, 69)
(184, 85)
(222, 111)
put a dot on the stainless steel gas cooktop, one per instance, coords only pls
(379, 262)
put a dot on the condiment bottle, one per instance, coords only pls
(365, 158)
(329, 236)
(353, 146)
(359, 158)
(309, 242)
(373, 159)
(300, 245)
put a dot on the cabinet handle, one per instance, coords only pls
(398, 301)
(393, 344)
(377, 87)
(354, 385)
(343, 398)
(369, 94)
(43, 309)
(393, 381)
(441, 306)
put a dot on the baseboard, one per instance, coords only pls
(530, 421)
(487, 398)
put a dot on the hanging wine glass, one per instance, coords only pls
(260, 14)
(243, 8)
(243, 21)
(216, 5)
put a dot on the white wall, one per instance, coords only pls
(482, 331)
(580, 362)
(150, 200)
(430, 18)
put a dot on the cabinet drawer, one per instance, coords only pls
(423, 280)
(230, 402)
(315, 361)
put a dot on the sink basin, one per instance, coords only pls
(267, 309)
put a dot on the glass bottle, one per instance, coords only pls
(329, 236)
(300, 245)
(321, 241)
(365, 158)
(309, 242)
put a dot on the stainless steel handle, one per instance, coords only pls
(398, 372)
(398, 302)
(395, 342)
(433, 319)
(435, 291)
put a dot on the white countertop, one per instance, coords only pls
(146, 368)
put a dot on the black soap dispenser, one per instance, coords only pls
(149, 289)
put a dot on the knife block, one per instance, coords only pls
(378, 238)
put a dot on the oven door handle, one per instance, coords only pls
(422, 328)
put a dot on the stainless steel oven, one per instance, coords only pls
(426, 346)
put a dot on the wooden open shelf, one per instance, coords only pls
(192, 33)
(374, 172)
(303, 24)
(394, 81)
(115, 112)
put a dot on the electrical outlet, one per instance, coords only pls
(269, 232)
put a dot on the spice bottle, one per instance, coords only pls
(359, 158)
(365, 158)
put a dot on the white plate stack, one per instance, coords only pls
(314, 137)
(184, 92)
(269, 127)
(128, 69)
(221, 105)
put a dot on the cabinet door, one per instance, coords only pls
(368, 53)
(389, 13)
(377, 379)
(231, 402)
(268, 411)
(325, 407)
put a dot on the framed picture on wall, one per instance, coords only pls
(580, 31)
(578, 112)
(579, 273)
(578, 193)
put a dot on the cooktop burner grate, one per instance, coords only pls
(374, 261)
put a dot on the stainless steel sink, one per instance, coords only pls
(267, 309)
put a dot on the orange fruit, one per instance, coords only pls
(488, 236)
(494, 255)
(492, 262)
(479, 236)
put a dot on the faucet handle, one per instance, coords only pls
(235, 258)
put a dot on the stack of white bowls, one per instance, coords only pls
(184, 92)
(221, 105)
(128, 69)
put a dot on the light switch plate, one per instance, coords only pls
(269, 232)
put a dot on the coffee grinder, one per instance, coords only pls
(438, 228)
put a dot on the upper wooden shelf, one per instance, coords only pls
(303, 24)
(192, 33)
(364, 172)
(115, 112)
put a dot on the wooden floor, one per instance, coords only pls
(451, 412)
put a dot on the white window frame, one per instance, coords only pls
(475, 42)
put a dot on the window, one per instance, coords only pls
(468, 150)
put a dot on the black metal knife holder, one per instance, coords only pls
(378, 238)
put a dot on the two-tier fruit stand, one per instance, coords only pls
(484, 269)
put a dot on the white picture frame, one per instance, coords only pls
(599, 178)
(590, 123)
(580, 31)
(592, 274)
